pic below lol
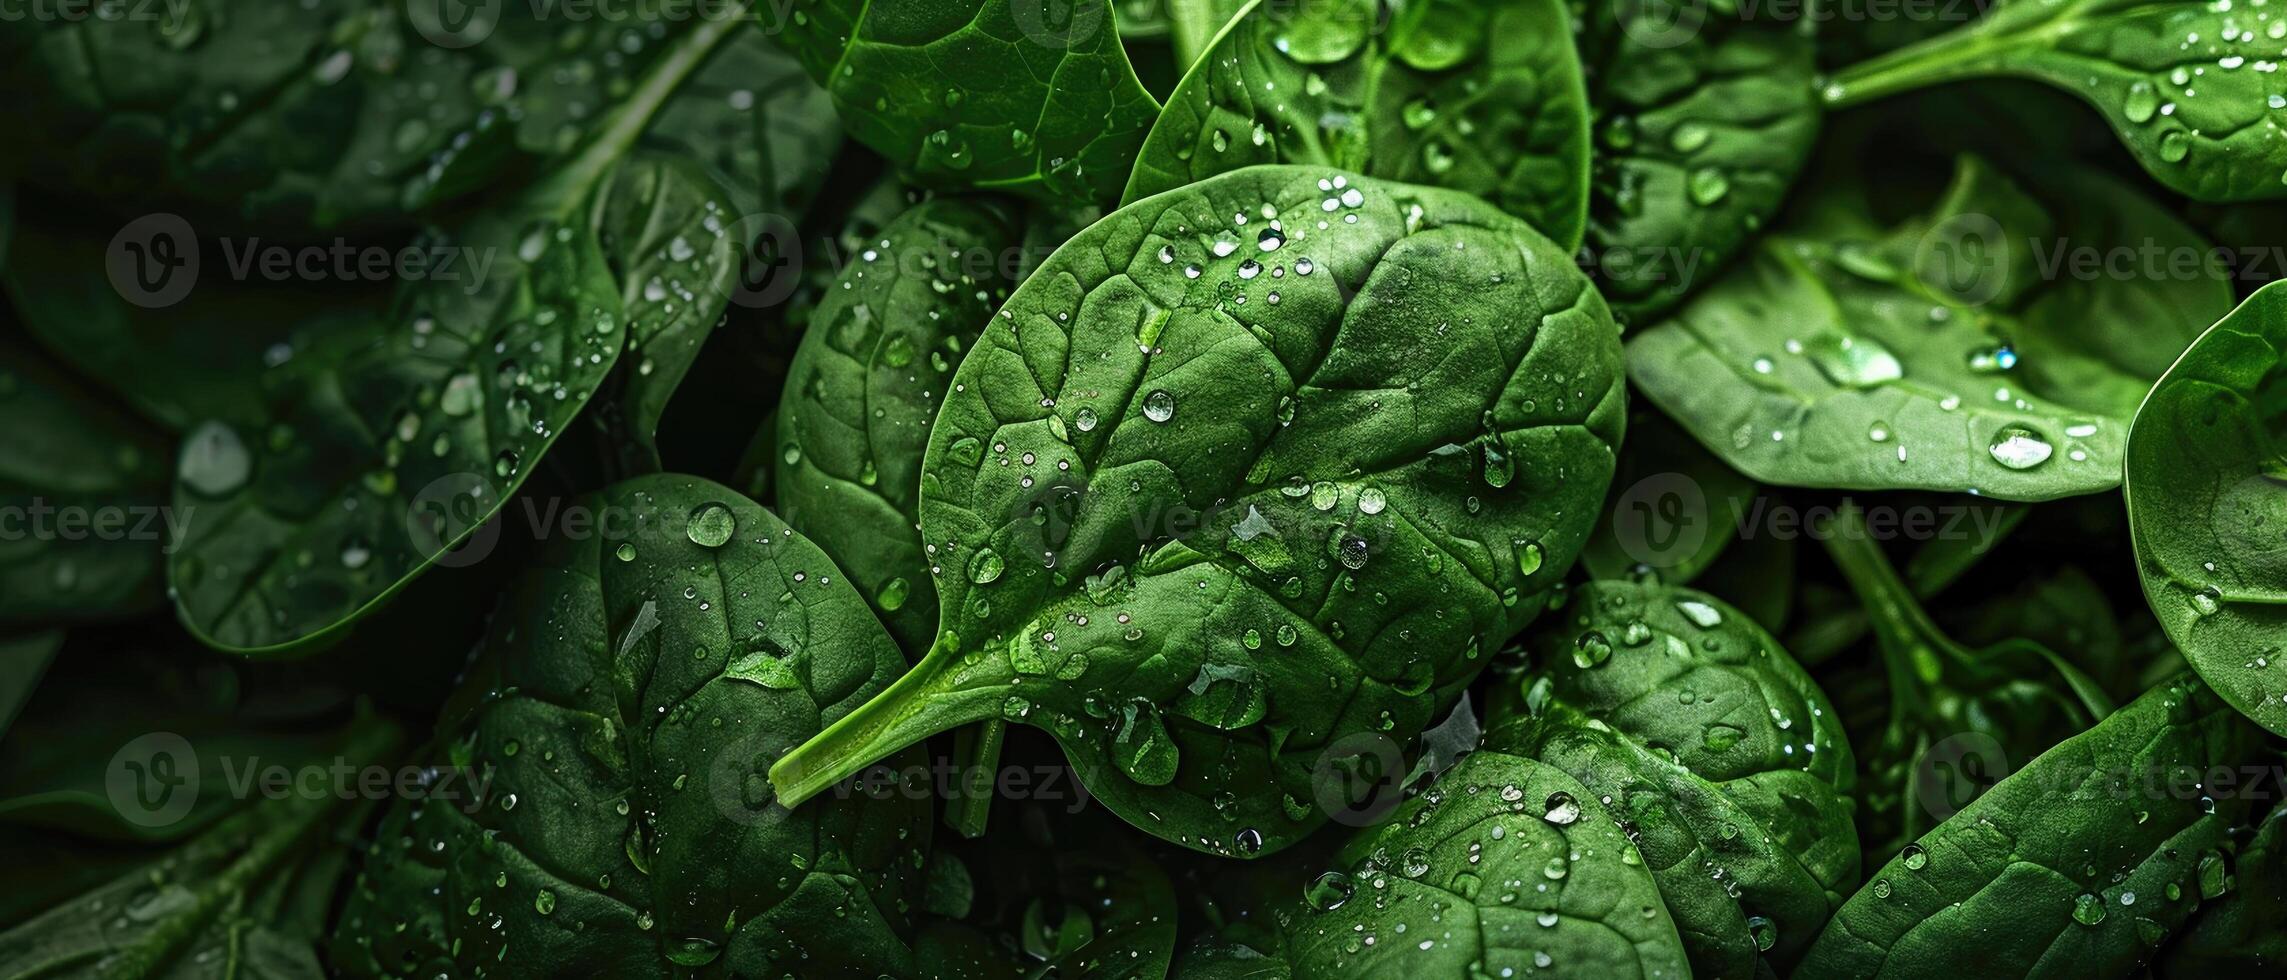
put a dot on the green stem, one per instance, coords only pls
(940, 693)
(1948, 57)
(979, 748)
(567, 186)
(283, 826)
(1193, 26)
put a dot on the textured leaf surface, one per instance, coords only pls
(2188, 87)
(628, 700)
(383, 447)
(1940, 356)
(82, 484)
(2205, 508)
(323, 113)
(1479, 97)
(2080, 863)
(1505, 866)
(1702, 122)
(1019, 95)
(875, 363)
(1241, 470)
(1690, 723)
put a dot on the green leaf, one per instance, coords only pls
(1689, 722)
(1506, 865)
(669, 237)
(82, 488)
(626, 703)
(2204, 465)
(1702, 124)
(1939, 722)
(232, 902)
(24, 659)
(1017, 95)
(2244, 930)
(758, 125)
(2186, 86)
(383, 448)
(182, 730)
(328, 113)
(1956, 352)
(1479, 97)
(873, 366)
(2081, 863)
(1211, 492)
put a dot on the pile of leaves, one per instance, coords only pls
(1019, 488)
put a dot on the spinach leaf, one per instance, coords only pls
(82, 485)
(626, 701)
(1701, 125)
(175, 365)
(199, 724)
(2204, 464)
(668, 235)
(2245, 927)
(753, 118)
(246, 898)
(24, 659)
(1016, 95)
(1718, 756)
(1504, 866)
(384, 447)
(1210, 493)
(1956, 719)
(2080, 863)
(328, 113)
(875, 362)
(854, 418)
(1940, 356)
(1419, 92)
(2185, 86)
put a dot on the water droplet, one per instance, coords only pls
(2019, 448)
(1159, 406)
(711, 525)
(1328, 891)
(986, 566)
(1914, 857)
(215, 461)
(1560, 808)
